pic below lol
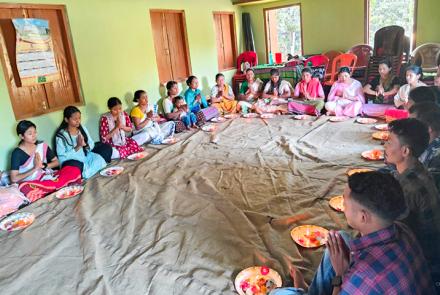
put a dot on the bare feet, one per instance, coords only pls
(194, 126)
(297, 277)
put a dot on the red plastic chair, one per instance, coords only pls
(247, 56)
(317, 60)
(332, 54)
(342, 60)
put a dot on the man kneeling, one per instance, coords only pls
(386, 259)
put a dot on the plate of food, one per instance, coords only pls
(366, 120)
(338, 119)
(257, 280)
(381, 135)
(350, 172)
(373, 155)
(170, 140)
(208, 128)
(251, 115)
(309, 236)
(381, 127)
(138, 156)
(17, 221)
(112, 171)
(300, 117)
(69, 192)
(218, 119)
(337, 203)
(267, 116)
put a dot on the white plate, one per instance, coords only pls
(69, 192)
(249, 277)
(218, 120)
(381, 127)
(366, 120)
(338, 119)
(250, 115)
(369, 155)
(301, 117)
(230, 116)
(12, 223)
(267, 116)
(170, 140)
(208, 128)
(112, 171)
(138, 156)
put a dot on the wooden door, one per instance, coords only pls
(177, 45)
(219, 40)
(226, 40)
(162, 50)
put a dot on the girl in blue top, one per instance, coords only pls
(193, 96)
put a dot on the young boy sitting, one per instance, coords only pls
(188, 118)
(408, 139)
(386, 259)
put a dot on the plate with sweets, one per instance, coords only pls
(17, 221)
(112, 171)
(257, 280)
(309, 236)
(69, 192)
(373, 155)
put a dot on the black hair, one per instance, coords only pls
(178, 98)
(344, 70)
(415, 69)
(422, 94)
(274, 72)
(190, 79)
(379, 192)
(113, 101)
(387, 62)
(67, 114)
(218, 76)
(138, 94)
(412, 133)
(23, 126)
(431, 119)
(423, 107)
(250, 70)
(170, 84)
(306, 70)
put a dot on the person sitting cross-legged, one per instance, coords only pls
(408, 139)
(385, 259)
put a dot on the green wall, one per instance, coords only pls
(115, 54)
(339, 24)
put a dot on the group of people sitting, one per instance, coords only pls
(396, 211)
(387, 207)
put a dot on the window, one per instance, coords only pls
(283, 30)
(171, 45)
(226, 40)
(40, 96)
(382, 13)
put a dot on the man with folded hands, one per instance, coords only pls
(385, 259)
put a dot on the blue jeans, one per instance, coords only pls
(322, 281)
(189, 119)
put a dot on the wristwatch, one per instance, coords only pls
(337, 281)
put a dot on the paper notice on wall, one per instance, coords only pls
(34, 52)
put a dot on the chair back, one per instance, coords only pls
(317, 60)
(247, 56)
(363, 53)
(427, 56)
(342, 60)
(389, 41)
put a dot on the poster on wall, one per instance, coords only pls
(34, 52)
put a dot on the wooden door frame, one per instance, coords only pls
(265, 26)
(367, 22)
(70, 55)
(234, 35)
(185, 37)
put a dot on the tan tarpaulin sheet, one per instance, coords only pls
(188, 218)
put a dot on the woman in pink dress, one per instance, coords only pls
(113, 128)
(346, 96)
